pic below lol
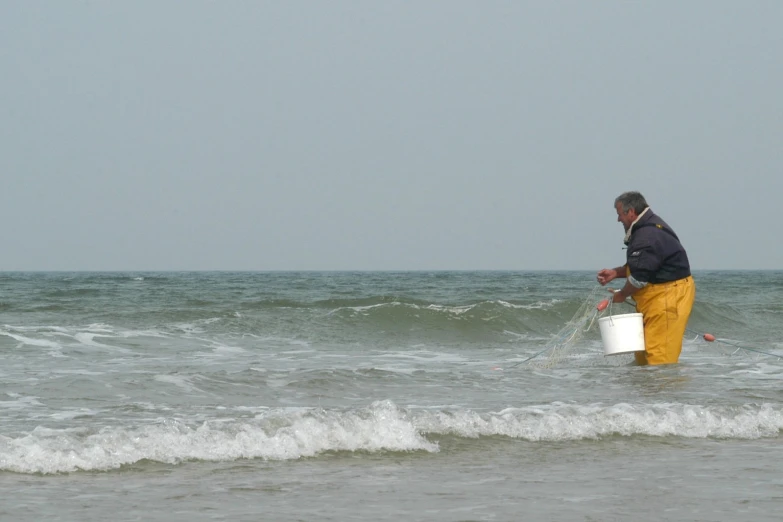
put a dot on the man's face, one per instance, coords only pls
(626, 218)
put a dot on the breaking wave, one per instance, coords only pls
(289, 434)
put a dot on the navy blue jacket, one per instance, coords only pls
(655, 254)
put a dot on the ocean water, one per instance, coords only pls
(379, 396)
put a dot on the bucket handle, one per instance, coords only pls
(609, 308)
(611, 302)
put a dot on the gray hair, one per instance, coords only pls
(632, 200)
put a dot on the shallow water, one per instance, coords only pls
(377, 396)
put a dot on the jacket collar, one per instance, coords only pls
(627, 237)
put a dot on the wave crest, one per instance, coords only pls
(289, 434)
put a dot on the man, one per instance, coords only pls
(658, 277)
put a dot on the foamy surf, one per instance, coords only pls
(559, 422)
(289, 434)
(273, 435)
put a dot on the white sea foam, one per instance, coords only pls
(276, 435)
(128, 334)
(509, 305)
(188, 328)
(38, 329)
(100, 328)
(574, 422)
(285, 434)
(88, 339)
(24, 340)
(180, 381)
(73, 414)
(362, 309)
(20, 403)
(456, 310)
(540, 305)
(449, 309)
(224, 349)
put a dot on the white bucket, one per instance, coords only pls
(622, 333)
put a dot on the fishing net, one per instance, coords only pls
(568, 347)
(723, 348)
(565, 346)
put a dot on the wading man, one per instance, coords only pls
(658, 277)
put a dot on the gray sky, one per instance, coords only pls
(287, 135)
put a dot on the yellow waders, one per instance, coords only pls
(665, 308)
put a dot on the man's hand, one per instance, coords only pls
(606, 275)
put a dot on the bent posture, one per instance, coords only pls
(658, 276)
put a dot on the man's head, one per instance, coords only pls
(628, 206)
